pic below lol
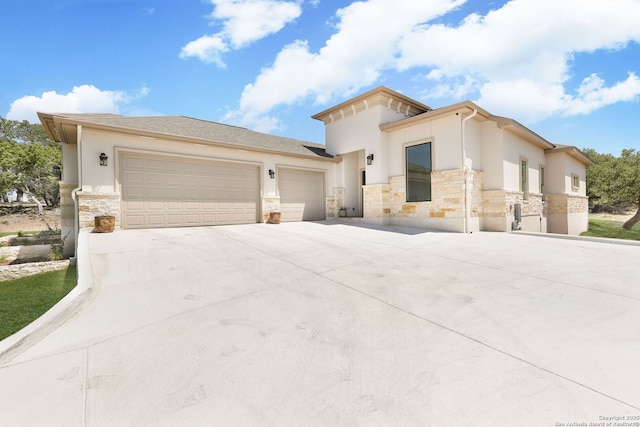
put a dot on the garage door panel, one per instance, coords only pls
(193, 219)
(209, 218)
(165, 191)
(135, 205)
(152, 164)
(133, 162)
(301, 194)
(192, 193)
(155, 220)
(136, 220)
(156, 206)
(156, 192)
(135, 177)
(133, 193)
(174, 166)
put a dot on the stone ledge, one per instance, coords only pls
(10, 272)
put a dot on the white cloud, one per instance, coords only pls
(592, 94)
(519, 56)
(244, 22)
(365, 44)
(515, 60)
(81, 99)
(207, 48)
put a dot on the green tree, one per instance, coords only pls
(615, 181)
(9, 153)
(27, 160)
(628, 182)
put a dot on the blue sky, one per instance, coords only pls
(567, 69)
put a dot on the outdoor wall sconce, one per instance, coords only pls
(370, 159)
(103, 159)
(57, 171)
(272, 173)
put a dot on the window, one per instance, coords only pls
(542, 181)
(418, 169)
(524, 184)
(575, 181)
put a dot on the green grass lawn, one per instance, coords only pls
(24, 300)
(612, 230)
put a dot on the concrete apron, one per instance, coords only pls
(333, 324)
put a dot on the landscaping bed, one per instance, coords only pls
(29, 243)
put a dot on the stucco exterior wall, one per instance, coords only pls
(352, 164)
(354, 132)
(70, 162)
(491, 146)
(515, 150)
(100, 187)
(562, 167)
(68, 217)
(445, 136)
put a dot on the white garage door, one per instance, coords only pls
(302, 195)
(170, 191)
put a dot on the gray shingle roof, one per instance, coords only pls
(187, 127)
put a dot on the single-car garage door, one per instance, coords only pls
(172, 191)
(302, 195)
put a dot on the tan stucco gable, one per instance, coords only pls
(571, 151)
(379, 96)
(465, 108)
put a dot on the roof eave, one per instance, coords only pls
(61, 121)
(573, 152)
(362, 98)
(522, 131)
(459, 108)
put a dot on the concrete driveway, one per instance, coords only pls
(334, 324)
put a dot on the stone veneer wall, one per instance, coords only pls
(386, 203)
(498, 207)
(269, 204)
(91, 205)
(334, 202)
(567, 203)
(568, 213)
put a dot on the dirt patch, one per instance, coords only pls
(611, 217)
(14, 217)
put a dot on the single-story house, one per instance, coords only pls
(388, 159)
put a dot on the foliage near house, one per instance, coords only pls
(615, 181)
(27, 161)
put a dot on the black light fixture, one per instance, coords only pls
(370, 159)
(57, 171)
(103, 159)
(272, 173)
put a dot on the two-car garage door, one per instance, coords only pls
(173, 191)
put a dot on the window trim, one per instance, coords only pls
(429, 141)
(575, 177)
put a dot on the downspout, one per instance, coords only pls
(76, 214)
(465, 173)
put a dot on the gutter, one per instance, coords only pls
(465, 170)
